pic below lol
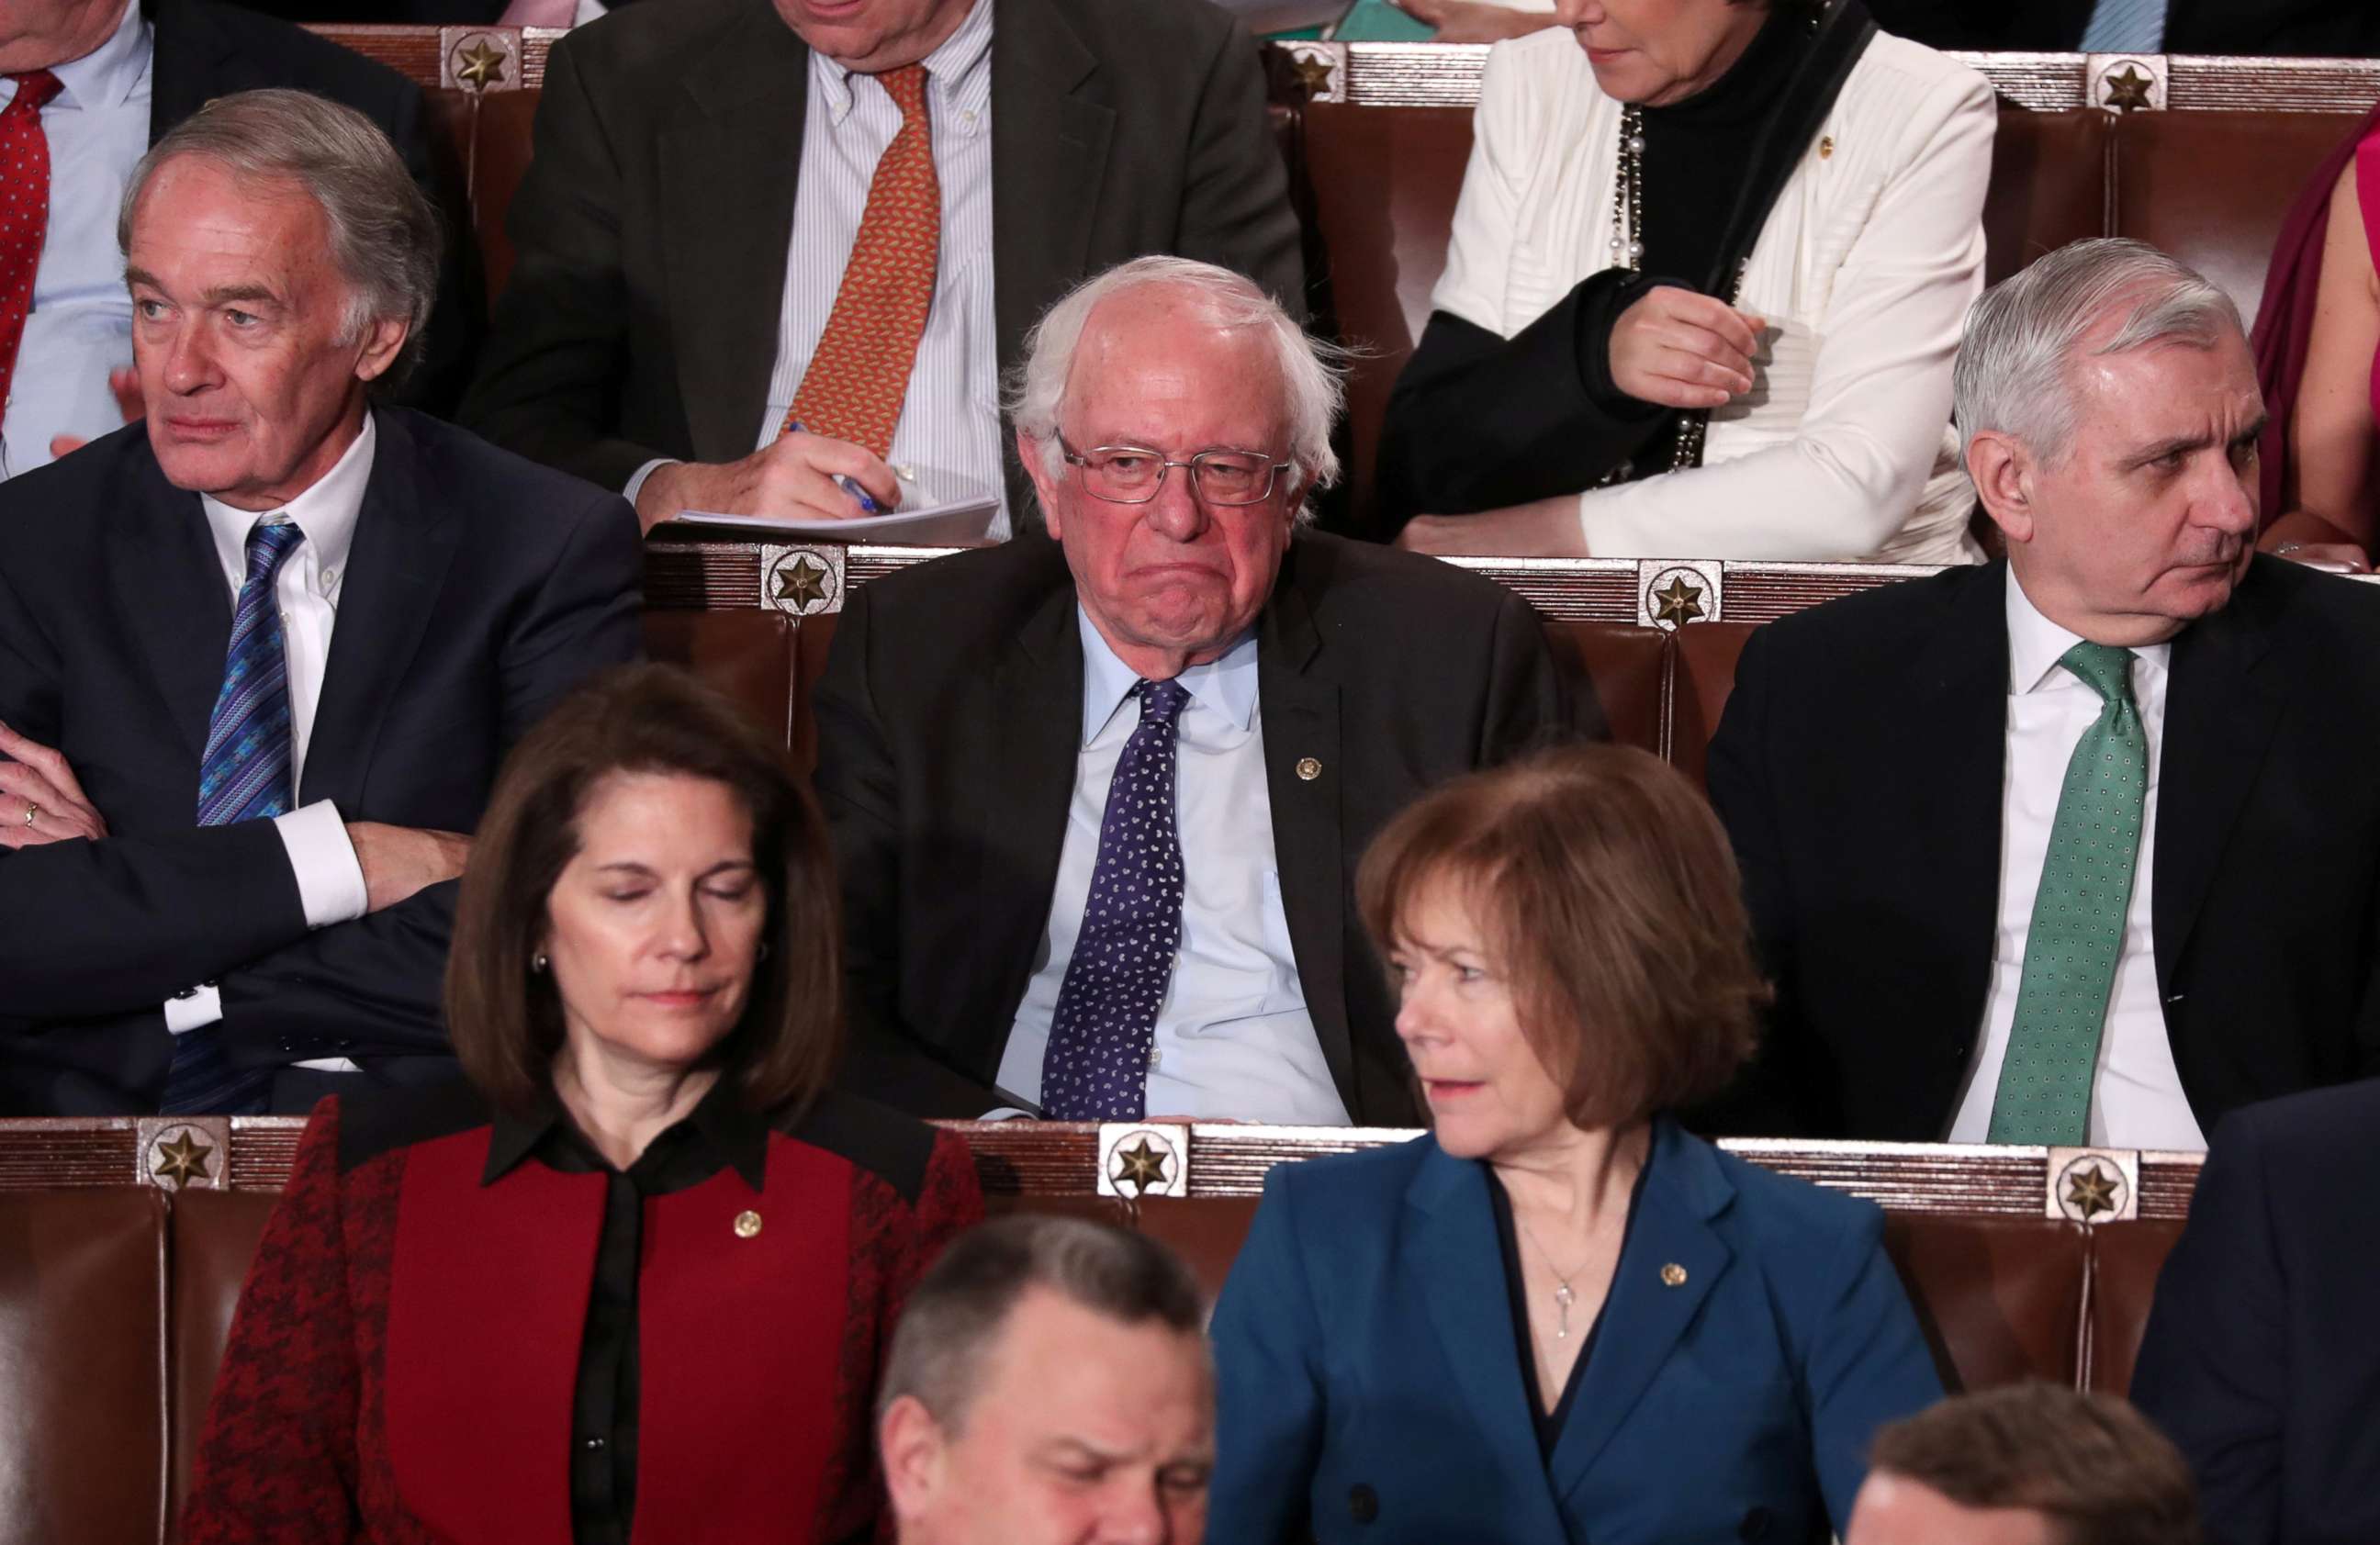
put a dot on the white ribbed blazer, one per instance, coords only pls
(1843, 449)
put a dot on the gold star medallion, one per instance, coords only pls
(1678, 605)
(2128, 90)
(2091, 1191)
(802, 580)
(1140, 1166)
(183, 1160)
(479, 65)
(1313, 70)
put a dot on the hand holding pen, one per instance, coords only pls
(795, 477)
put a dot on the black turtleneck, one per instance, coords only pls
(1478, 422)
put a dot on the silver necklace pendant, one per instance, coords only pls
(1563, 1299)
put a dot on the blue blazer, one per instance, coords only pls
(1369, 1389)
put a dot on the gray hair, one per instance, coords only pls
(957, 1311)
(1311, 371)
(384, 235)
(2021, 333)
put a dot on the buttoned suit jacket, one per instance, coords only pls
(652, 228)
(950, 725)
(479, 589)
(2259, 1358)
(1860, 768)
(203, 50)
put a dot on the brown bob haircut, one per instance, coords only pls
(2091, 1464)
(1610, 901)
(506, 1019)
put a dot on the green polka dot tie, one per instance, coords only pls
(2078, 917)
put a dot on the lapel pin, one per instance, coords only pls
(748, 1224)
(1309, 768)
(1672, 1275)
(1826, 146)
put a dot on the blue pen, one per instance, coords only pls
(868, 506)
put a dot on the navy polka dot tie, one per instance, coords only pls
(24, 209)
(1096, 1068)
(2077, 934)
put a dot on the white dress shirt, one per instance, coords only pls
(1864, 272)
(330, 880)
(81, 323)
(1234, 1037)
(2136, 1095)
(949, 419)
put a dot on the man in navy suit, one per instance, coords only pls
(2260, 1358)
(262, 653)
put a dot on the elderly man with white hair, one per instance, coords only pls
(1097, 800)
(2081, 846)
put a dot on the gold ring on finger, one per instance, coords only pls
(32, 809)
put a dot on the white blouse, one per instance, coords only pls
(1843, 448)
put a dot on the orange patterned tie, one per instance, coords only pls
(860, 370)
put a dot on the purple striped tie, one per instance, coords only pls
(243, 776)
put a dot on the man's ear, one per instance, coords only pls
(383, 342)
(2003, 469)
(1045, 488)
(916, 1456)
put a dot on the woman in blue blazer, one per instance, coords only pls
(1557, 1317)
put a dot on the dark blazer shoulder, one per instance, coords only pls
(502, 490)
(1135, 37)
(649, 53)
(984, 594)
(896, 1149)
(1888, 618)
(1337, 573)
(2323, 1131)
(205, 49)
(383, 1120)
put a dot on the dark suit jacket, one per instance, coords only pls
(2349, 27)
(2258, 1357)
(653, 226)
(205, 50)
(479, 589)
(949, 721)
(1859, 768)
(1369, 1377)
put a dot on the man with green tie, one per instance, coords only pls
(2081, 846)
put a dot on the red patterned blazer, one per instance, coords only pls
(403, 1361)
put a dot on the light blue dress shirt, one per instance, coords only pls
(81, 325)
(1234, 1037)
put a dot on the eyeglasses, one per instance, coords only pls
(1132, 474)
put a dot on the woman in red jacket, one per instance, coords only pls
(634, 1281)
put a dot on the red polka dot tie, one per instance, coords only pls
(861, 372)
(24, 209)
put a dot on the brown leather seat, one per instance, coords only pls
(1626, 668)
(2211, 188)
(2124, 1266)
(2050, 172)
(1701, 679)
(213, 1237)
(2000, 1298)
(748, 655)
(82, 1315)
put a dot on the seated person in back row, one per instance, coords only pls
(2078, 847)
(745, 217)
(1096, 801)
(88, 86)
(261, 654)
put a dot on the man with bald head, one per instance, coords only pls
(2076, 847)
(1098, 799)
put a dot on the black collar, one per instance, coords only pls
(723, 1132)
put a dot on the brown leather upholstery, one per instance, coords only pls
(1702, 676)
(499, 156)
(1206, 1232)
(2211, 188)
(82, 1414)
(213, 1235)
(2049, 186)
(811, 640)
(2124, 1266)
(2000, 1298)
(749, 655)
(1627, 670)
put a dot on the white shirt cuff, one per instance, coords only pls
(330, 878)
(193, 1010)
(1004, 1113)
(637, 483)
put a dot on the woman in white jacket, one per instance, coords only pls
(1707, 274)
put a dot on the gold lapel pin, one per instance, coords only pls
(1826, 146)
(1672, 1275)
(748, 1224)
(1309, 768)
